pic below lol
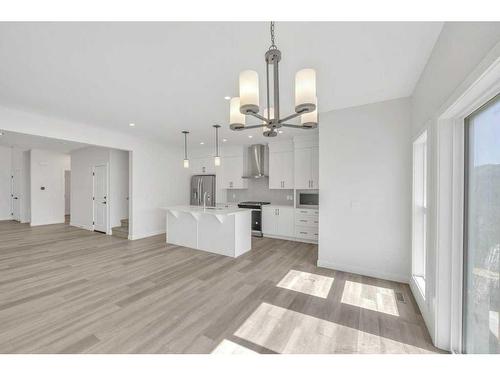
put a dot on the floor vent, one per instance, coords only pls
(400, 297)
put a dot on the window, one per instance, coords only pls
(481, 292)
(419, 209)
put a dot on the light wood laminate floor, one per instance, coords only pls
(67, 290)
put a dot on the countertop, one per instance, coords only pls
(207, 210)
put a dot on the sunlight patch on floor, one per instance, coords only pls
(290, 332)
(370, 297)
(309, 283)
(229, 347)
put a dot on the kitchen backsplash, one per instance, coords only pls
(258, 190)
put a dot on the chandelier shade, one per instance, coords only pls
(305, 90)
(249, 92)
(236, 118)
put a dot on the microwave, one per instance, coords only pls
(308, 200)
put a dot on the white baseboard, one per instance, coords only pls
(286, 238)
(363, 271)
(47, 223)
(424, 309)
(138, 236)
(83, 226)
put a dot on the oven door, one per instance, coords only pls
(257, 222)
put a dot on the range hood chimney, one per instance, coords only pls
(257, 162)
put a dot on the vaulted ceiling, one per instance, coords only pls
(166, 77)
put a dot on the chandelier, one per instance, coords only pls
(247, 104)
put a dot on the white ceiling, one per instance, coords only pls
(28, 142)
(170, 76)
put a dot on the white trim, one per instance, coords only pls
(286, 238)
(82, 226)
(46, 223)
(450, 202)
(363, 271)
(145, 235)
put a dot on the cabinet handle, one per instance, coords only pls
(304, 221)
(303, 232)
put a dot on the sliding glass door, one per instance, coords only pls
(481, 302)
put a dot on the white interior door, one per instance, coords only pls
(100, 178)
(16, 194)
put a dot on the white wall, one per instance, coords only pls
(118, 186)
(47, 170)
(463, 51)
(5, 183)
(365, 185)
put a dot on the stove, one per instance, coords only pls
(256, 224)
(252, 204)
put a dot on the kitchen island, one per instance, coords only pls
(220, 230)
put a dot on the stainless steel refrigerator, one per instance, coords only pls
(203, 187)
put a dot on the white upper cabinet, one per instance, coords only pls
(303, 164)
(281, 166)
(306, 165)
(315, 167)
(233, 168)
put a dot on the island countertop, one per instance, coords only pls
(207, 210)
(221, 230)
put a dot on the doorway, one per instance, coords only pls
(481, 290)
(67, 196)
(100, 198)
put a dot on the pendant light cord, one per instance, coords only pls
(273, 45)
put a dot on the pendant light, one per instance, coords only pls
(217, 155)
(186, 160)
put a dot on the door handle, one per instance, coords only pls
(104, 202)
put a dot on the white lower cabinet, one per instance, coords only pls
(307, 224)
(278, 221)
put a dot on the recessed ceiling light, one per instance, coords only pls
(131, 124)
(202, 143)
(224, 139)
(250, 136)
(227, 97)
(280, 131)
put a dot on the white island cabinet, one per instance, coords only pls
(220, 230)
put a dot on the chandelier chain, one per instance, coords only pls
(273, 45)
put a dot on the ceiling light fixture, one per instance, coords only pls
(224, 139)
(227, 97)
(248, 101)
(202, 143)
(131, 124)
(217, 156)
(250, 136)
(186, 160)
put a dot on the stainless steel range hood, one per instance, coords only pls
(257, 162)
